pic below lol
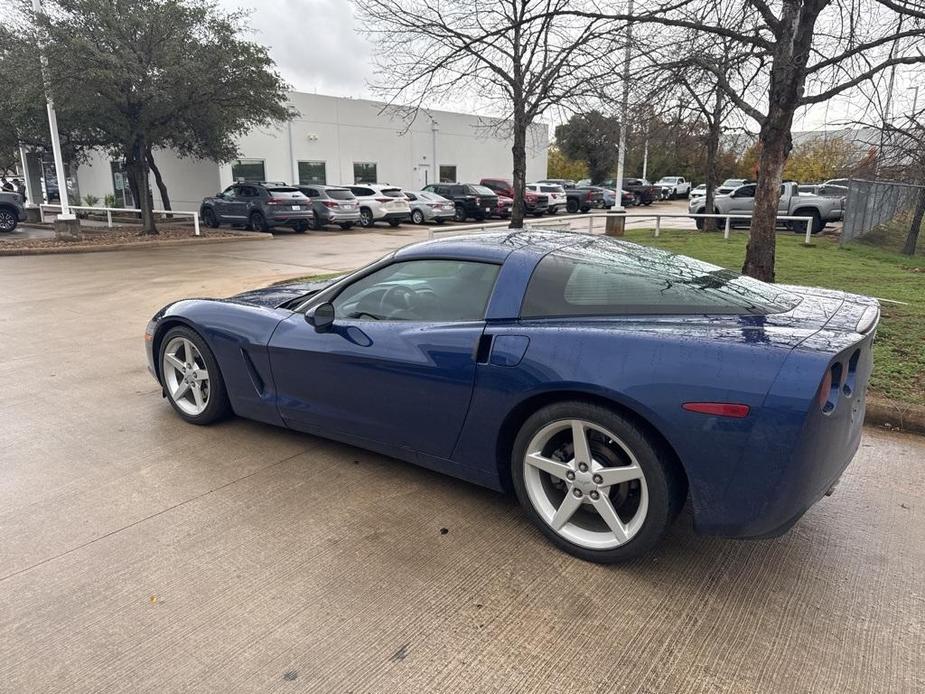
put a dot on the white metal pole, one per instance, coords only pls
(53, 129)
(294, 165)
(645, 157)
(624, 115)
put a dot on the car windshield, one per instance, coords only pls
(340, 194)
(482, 190)
(607, 277)
(733, 182)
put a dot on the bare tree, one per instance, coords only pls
(811, 51)
(519, 57)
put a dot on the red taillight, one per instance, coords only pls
(825, 389)
(383, 199)
(718, 409)
(329, 203)
(277, 201)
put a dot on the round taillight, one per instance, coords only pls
(825, 388)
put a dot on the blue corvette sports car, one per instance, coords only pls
(601, 381)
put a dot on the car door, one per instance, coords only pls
(222, 203)
(397, 366)
(234, 204)
(742, 199)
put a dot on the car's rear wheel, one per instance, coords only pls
(816, 225)
(302, 227)
(394, 222)
(594, 482)
(346, 227)
(459, 215)
(440, 221)
(366, 217)
(572, 206)
(210, 218)
(258, 222)
(417, 217)
(8, 220)
(191, 377)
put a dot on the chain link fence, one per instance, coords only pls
(880, 212)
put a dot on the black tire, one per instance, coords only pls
(665, 483)
(366, 218)
(552, 210)
(317, 224)
(258, 222)
(460, 214)
(700, 222)
(571, 206)
(346, 227)
(218, 406)
(648, 202)
(8, 220)
(800, 227)
(585, 210)
(210, 219)
(417, 216)
(301, 227)
(394, 222)
(440, 221)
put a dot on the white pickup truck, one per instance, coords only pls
(676, 186)
(792, 204)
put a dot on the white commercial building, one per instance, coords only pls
(336, 141)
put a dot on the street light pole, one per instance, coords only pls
(616, 225)
(53, 129)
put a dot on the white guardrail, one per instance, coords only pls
(130, 210)
(590, 217)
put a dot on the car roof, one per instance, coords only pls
(491, 246)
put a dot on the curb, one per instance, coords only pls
(892, 414)
(64, 250)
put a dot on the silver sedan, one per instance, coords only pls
(429, 207)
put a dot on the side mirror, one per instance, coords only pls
(321, 318)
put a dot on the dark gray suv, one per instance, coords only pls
(259, 205)
(11, 211)
(332, 205)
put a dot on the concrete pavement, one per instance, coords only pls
(141, 554)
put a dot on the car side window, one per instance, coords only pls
(746, 192)
(411, 196)
(420, 290)
(230, 193)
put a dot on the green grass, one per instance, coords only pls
(899, 353)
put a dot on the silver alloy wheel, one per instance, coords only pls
(576, 488)
(185, 376)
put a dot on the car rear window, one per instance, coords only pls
(608, 277)
(340, 194)
(393, 192)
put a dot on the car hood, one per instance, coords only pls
(279, 294)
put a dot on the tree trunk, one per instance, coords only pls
(794, 39)
(716, 126)
(158, 180)
(918, 217)
(137, 167)
(519, 152)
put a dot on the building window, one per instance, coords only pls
(364, 172)
(312, 173)
(248, 170)
(447, 173)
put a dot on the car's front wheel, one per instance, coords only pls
(210, 218)
(8, 220)
(191, 378)
(594, 482)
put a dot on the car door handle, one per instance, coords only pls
(483, 349)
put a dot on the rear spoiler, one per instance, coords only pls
(869, 319)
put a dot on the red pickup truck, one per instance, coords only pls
(535, 203)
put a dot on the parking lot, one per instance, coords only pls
(142, 554)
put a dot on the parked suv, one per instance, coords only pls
(475, 201)
(534, 203)
(12, 211)
(380, 203)
(332, 205)
(558, 199)
(258, 205)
